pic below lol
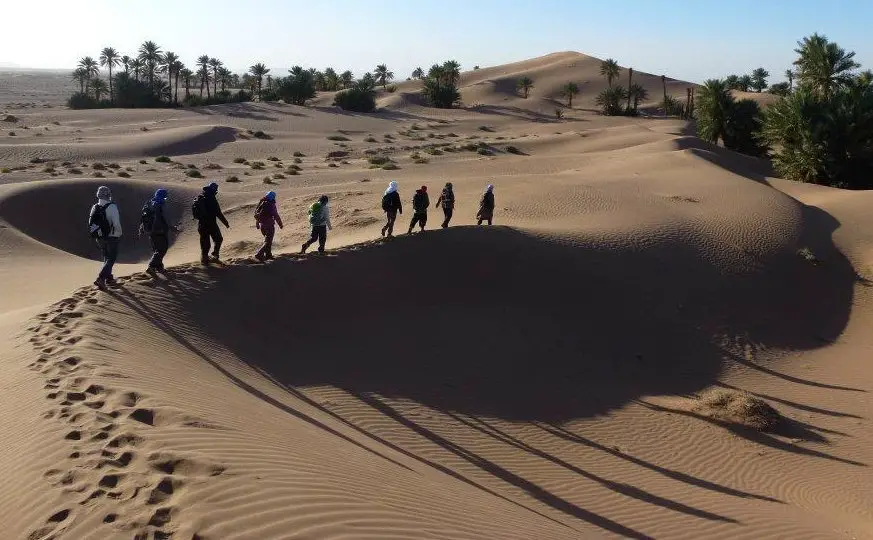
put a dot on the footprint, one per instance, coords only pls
(163, 491)
(72, 361)
(130, 399)
(161, 517)
(125, 439)
(110, 480)
(145, 416)
(76, 396)
(50, 526)
(74, 435)
(95, 389)
(110, 518)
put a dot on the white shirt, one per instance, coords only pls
(113, 216)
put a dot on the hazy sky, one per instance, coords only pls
(690, 40)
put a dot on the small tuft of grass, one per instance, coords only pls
(49, 169)
(292, 172)
(10, 118)
(737, 408)
(37, 161)
(298, 160)
(98, 167)
(337, 138)
(129, 169)
(163, 159)
(98, 174)
(193, 173)
(232, 179)
(267, 180)
(143, 128)
(332, 165)
(191, 166)
(12, 134)
(124, 174)
(273, 158)
(212, 167)
(434, 151)
(514, 150)
(143, 162)
(390, 167)
(114, 166)
(370, 140)
(5, 170)
(486, 129)
(293, 168)
(261, 135)
(421, 160)
(298, 154)
(74, 171)
(240, 160)
(379, 160)
(278, 176)
(485, 152)
(257, 165)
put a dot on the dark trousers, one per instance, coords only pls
(389, 226)
(319, 234)
(448, 213)
(209, 231)
(418, 218)
(267, 249)
(160, 245)
(109, 249)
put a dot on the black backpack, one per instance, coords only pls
(98, 223)
(198, 207)
(418, 202)
(147, 217)
(386, 202)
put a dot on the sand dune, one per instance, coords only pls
(534, 379)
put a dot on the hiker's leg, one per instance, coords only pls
(413, 222)
(448, 214)
(322, 237)
(312, 239)
(268, 242)
(217, 240)
(204, 241)
(422, 220)
(110, 254)
(160, 245)
(104, 252)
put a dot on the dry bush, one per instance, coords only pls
(738, 408)
(124, 174)
(299, 155)
(239, 160)
(193, 173)
(212, 166)
(232, 179)
(163, 159)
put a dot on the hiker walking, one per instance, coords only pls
(392, 206)
(447, 203)
(319, 219)
(486, 206)
(207, 212)
(420, 203)
(266, 219)
(104, 225)
(153, 220)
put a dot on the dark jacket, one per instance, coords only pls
(447, 199)
(212, 210)
(269, 216)
(393, 204)
(420, 202)
(159, 221)
(486, 205)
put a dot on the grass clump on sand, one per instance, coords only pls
(124, 174)
(260, 135)
(273, 158)
(267, 180)
(143, 162)
(10, 118)
(294, 168)
(212, 167)
(486, 129)
(379, 160)
(114, 166)
(292, 172)
(98, 167)
(390, 167)
(370, 139)
(257, 165)
(332, 165)
(5, 170)
(297, 160)
(74, 171)
(163, 159)
(514, 150)
(193, 173)
(37, 161)
(278, 176)
(12, 134)
(434, 151)
(240, 160)
(298, 154)
(738, 408)
(337, 138)
(232, 179)
(485, 152)
(98, 174)
(49, 169)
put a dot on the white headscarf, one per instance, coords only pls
(489, 188)
(392, 187)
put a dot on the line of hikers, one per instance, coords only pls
(104, 223)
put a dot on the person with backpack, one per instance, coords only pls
(207, 212)
(153, 221)
(486, 206)
(392, 206)
(104, 225)
(319, 219)
(266, 219)
(447, 203)
(420, 203)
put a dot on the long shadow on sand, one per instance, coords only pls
(499, 323)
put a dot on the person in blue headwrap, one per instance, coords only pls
(154, 222)
(207, 212)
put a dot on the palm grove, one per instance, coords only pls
(155, 78)
(821, 128)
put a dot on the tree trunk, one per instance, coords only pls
(664, 84)
(111, 94)
(176, 97)
(630, 78)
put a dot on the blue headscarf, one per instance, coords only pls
(271, 196)
(211, 188)
(160, 197)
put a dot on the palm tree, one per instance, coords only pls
(570, 89)
(610, 99)
(347, 78)
(215, 63)
(383, 75)
(664, 84)
(759, 79)
(98, 86)
(630, 80)
(258, 71)
(713, 108)
(744, 83)
(136, 65)
(790, 76)
(169, 67)
(609, 69)
(203, 72)
(91, 69)
(732, 82)
(186, 76)
(451, 72)
(638, 93)
(224, 76)
(525, 84)
(178, 66)
(331, 79)
(125, 61)
(80, 76)
(823, 66)
(109, 57)
(150, 54)
(436, 72)
(418, 73)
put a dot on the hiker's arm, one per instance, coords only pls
(278, 218)
(114, 218)
(220, 215)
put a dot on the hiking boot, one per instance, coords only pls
(260, 256)
(152, 271)
(111, 282)
(214, 258)
(161, 269)
(303, 248)
(204, 261)
(269, 256)
(100, 283)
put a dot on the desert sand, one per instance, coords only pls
(538, 379)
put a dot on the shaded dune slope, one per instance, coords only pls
(502, 323)
(26, 207)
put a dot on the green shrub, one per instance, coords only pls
(391, 88)
(193, 173)
(232, 179)
(360, 98)
(298, 155)
(379, 160)
(163, 159)
(273, 158)
(240, 160)
(124, 174)
(5, 170)
(514, 150)
(98, 167)
(370, 140)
